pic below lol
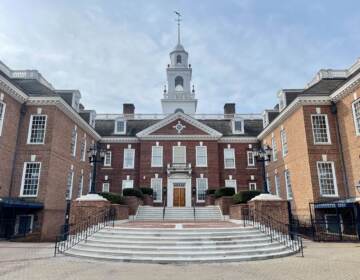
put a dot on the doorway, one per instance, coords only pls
(179, 195)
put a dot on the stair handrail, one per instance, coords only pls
(164, 207)
(194, 209)
(73, 234)
(275, 229)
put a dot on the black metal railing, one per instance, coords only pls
(73, 234)
(278, 231)
(194, 208)
(164, 208)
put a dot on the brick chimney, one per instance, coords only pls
(229, 109)
(128, 109)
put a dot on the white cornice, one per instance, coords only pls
(297, 103)
(212, 133)
(176, 137)
(12, 90)
(346, 88)
(119, 140)
(238, 140)
(66, 109)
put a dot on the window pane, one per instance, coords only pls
(73, 141)
(201, 187)
(284, 142)
(326, 178)
(120, 126)
(31, 178)
(107, 159)
(69, 185)
(129, 158)
(238, 126)
(288, 184)
(106, 187)
(157, 156)
(274, 149)
(81, 185)
(127, 184)
(356, 112)
(179, 154)
(156, 185)
(229, 158)
(231, 183)
(250, 158)
(277, 185)
(201, 156)
(38, 126)
(320, 129)
(2, 113)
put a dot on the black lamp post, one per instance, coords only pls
(263, 154)
(96, 155)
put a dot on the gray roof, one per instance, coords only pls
(106, 127)
(33, 87)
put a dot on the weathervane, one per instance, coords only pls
(178, 23)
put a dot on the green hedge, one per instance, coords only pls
(133, 192)
(224, 192)
(244, 196)
(210, 192)
(114, 198)
(148, 191)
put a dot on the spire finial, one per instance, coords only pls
(178, 24)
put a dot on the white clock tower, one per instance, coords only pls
(179, 95)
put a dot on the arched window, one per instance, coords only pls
(178, 59)
(179, 83)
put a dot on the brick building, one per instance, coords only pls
(313, 133)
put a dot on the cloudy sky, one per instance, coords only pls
(241, 51)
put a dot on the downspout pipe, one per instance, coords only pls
(341, 150)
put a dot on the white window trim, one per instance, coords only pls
(233, 152)
(286, 175)
(327, 130)
(277, 184)
(84, 154)
(283, 135)
(206, 156)
(357, 128)
(115, 128)
(133, 159)
(3, 117)
(173, 153)
(247, 158)
(162, 156)
(161, 184)
(242, 126)
(23, 180)
(127, 180)
(274, 151)
(108, 164)
(81, 185)
(72, 186)
(17, 223)
(335, 180)
(30, 129)
(197, 188)
(235, 186)
(108, 186)
(75, 146)
(254, 184)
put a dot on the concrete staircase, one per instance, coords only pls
(159, 245)
(178, 213)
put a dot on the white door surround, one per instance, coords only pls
(170, 187)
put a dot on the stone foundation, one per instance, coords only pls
(224, 203)
(239, 211)
(276, 209)
(82, 210)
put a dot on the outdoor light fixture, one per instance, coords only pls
(263, 154)
(96, 155)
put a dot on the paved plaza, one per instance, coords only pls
(322, 261)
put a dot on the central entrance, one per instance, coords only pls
(179, 191)
(179, 195)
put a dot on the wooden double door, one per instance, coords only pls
(179, 195)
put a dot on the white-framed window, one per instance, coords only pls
(179, 154)
(2, 115)
(129, 158)
(288, 184)
(268, 182)
(356, 116)
(201, 156)
(327, 178)
(81, 185)
(69, 185)
(250, 158)
(37, 129)
(284, 146)
(277, 185)
(107, 158)
(252, 186)
(90, 181)
(30, 179)
(201, 187)
(127, 184)
(83, 150)
(156, 156)
(229, 158)
(24, 224)
(106, 187)
(231, 183)
(120, 126)
(238, 126)
(320, 128)
(156, 185)
(274, 149)
(73, 141)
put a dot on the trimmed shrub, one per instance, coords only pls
(148, 191)
(114, 198)
(132, 192)
(224, 192)
(244, 196)
(210, 192)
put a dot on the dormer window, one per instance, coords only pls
(120, 126)
(238, 126)
(282, 102)
(178, 59)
